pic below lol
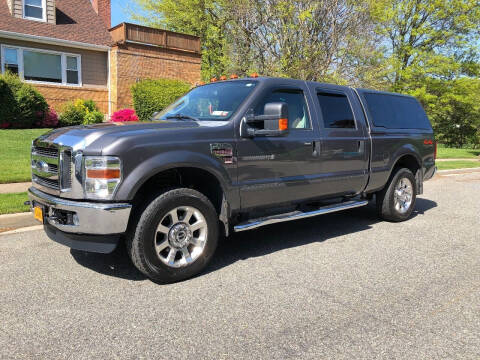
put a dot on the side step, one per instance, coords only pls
(295, 215)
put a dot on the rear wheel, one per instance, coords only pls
(175, 237)
(397, 200)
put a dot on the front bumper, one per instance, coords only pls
(84, 217)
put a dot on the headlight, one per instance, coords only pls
(102, 176)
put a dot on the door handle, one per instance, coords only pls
(316, 148)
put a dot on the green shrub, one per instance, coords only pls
(8, 104)
(93, 117)
(21, 105)
(31, 107)
(150, 96)
(90, 105)
(71, 115)
(80, 112)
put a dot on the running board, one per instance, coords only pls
(295, 215)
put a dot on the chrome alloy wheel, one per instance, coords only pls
(403, 195)
(181, 236)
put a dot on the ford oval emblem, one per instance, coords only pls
(41, 166)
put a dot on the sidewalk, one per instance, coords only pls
(459, 159)
(14, 187)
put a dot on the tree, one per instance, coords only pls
(431, 52)
(454, 108)
(203, 18)
(426, 37)
(305, 39)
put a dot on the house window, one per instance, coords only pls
(11, 60)
(39, 66)
(42, 66)
(34, 9)
(72, 70)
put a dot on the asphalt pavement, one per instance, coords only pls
(339, 286)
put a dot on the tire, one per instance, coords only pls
(157, 235)
(396, 207)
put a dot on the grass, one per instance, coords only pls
(13, 203)
(458, 164)
(451, 153)
(15, 154)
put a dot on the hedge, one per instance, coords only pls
(80, 112)
(21, 105)
(150, 96)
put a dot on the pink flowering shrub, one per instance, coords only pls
(124, 115)
(48, 119)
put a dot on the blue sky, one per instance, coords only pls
(120, 12)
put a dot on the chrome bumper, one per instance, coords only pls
(88, 217)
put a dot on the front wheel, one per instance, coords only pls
(397, 200)
(175, 237)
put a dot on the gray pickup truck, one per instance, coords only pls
(229, 156)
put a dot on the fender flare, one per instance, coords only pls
(408, 149)
(162, 162)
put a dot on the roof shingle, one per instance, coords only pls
(76, 21)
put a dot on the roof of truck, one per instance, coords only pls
(284, 81)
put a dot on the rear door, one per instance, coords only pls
(345, 144)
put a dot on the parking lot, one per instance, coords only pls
(343, 285)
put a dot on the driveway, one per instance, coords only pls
(340, 286)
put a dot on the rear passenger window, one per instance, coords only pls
(396, 112)
(336, 111)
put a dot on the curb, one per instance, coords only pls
(459, 171)
(22, 230)
(18, 220)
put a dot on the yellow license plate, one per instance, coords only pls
(38, 213)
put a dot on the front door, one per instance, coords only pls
(275, 170)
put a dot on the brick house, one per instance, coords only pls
(68, 50)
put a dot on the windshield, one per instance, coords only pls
(217, 101)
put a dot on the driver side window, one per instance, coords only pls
(297, 107)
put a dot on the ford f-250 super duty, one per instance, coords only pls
(229, 156)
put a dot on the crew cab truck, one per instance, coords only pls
(229, 156)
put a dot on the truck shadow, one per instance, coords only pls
(255, 243)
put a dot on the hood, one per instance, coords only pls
(83, 136)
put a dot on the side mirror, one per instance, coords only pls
(273, 122)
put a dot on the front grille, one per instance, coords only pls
(44, 151)
(53, 184)
(51, 167)
(66, 175)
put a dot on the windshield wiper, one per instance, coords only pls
(182, 117)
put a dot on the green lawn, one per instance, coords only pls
(13, 203)
(15, 154)
(460, 164)
(450, 153)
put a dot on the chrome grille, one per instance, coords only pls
(51, 167)
(66, 174)
(44, 151)
(53, 184)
